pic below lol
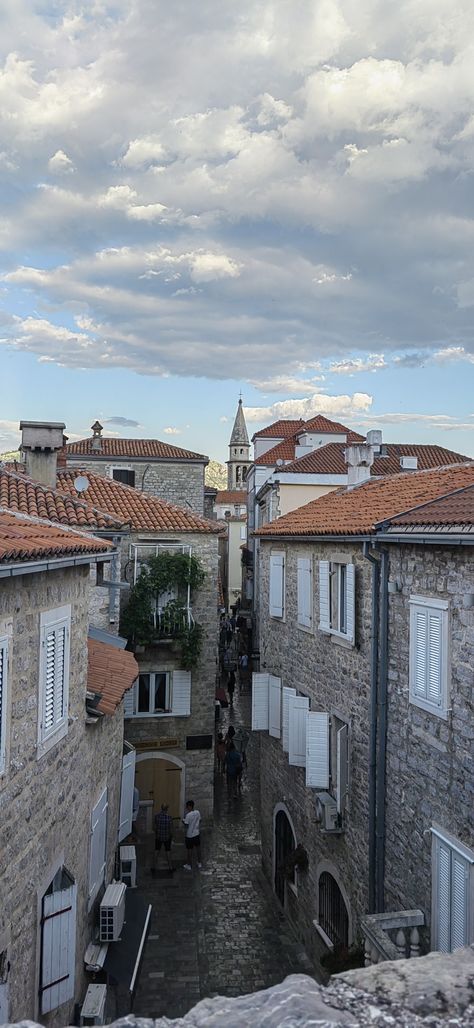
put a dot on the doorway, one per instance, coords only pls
(284, 844)
(161, 779)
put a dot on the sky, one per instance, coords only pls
(272, 197)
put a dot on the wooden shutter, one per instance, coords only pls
(260, 691)
(274, 706)
(3, 701)
(285, 716)
(350, 602)
(130, 701)
(305, 592)
(54, 671)
(427, 653)
(98, 846)
(342, 767)
(317, 750)
(420, 645)
(298, 707)
(324, 597)
(443, 896)
(277, 584)
(58, 946)
(181, 698)
(434, 689)
(126, 792)
(459, 901)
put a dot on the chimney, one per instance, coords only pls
(374, 439)
(97, 429)
(359, 457)
(41, 442)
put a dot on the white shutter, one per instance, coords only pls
(350, 602)
(433, 670)
(459, 901)
(274, 706)
(126, 793)
(58, 948)
(3, 701)
(181, 697)
(342, 768)
(324, 597)
(277, 584)
(317, 750)
(260, 689)
(298, 707)
(420, 646)
(98, 846)
(305, 592)
(54, 671)
(130, 701)
(285, 716)
(443, 897)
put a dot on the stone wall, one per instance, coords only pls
(336, 676)
(179, 482)
(199, 764)
(104, 603)
(45, 804)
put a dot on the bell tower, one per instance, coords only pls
(239, 452)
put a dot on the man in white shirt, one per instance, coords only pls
(192, 820)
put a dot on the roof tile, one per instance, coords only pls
(111, 671)
(231, 496)
(131, 448)
(329, 459)
(23, 538)
(23, 494)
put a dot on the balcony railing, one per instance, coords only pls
(392, 936)
(169, 622)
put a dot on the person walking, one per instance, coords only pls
(163, 834)
(220, 753)
(192, 821)
(233, 766)
(231, 687)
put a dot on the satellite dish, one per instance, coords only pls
(81, 483)
(279, 462)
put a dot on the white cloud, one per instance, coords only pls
(60, 163)
(287, 384)
(172, 430)
(140, 152)
(373, 362)
(9, 436)
(310, 406)
(205, 267)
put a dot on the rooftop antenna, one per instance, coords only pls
(81, 483)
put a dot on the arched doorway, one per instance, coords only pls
(284, 842)
(160, 778)
(333, 916)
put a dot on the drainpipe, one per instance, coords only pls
(382, 735)
(373, 723)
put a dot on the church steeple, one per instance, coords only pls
(239, 452)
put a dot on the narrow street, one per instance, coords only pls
(217, 931)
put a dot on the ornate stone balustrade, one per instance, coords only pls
(392, 936)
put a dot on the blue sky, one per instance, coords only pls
(198, 200)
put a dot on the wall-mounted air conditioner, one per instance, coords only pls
(112, 912)
(93, 1007)
(326, 812)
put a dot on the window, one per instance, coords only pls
(337, 598)
(159, 694)
(98, 846)
(58, 942)
(3, 702)
(125, 475)
(429, 654)
(333, 918)
(126, 791)
(54, 676)
(452, 894)
(277, 585)
(305, 592)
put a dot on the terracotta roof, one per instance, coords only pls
(279, 429)
(282, 451)
(149, 449)
(140, 510)
(20, 493)
(456, 508)
(111, 671)
(325, 425)
(357, 511)
(23, 538)
(286, 450)
(231, 496)
(329, 459)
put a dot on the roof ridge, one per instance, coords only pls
(25, 479)
(426, 503)
(37, 520)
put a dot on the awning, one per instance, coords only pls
(123, 958)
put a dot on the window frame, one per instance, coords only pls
(279, 554)
(167, 712)
(442, 838)
(122, 467)
(53, 619)
(344, 600)
(302, 564)
(441, 607)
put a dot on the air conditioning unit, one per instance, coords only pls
(112, 912)
(93, 1007)
(326, 812)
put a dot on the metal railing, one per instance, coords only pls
(392, 936)
(170, 621)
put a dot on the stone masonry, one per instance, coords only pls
(178, 482)
(45, 804)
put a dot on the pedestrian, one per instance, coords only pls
(229, 737)
(233, 766)
(220, 753)
(192, 821)
(243, 670)
(135, 809)
(231, 687)
(241, 739)
(163, 833)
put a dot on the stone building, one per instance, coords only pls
(364, 702)
(60, 766)
(170, 712)
(239, 452)
(153, 467)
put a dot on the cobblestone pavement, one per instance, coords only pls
(217, 931)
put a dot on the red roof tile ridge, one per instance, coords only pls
(462, 490)
(35, 519)
(59, 496)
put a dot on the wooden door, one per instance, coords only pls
(284, 845)
(160, 780)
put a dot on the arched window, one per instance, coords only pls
(284, 843)
(238, 473)
(333, 917)
(244, 474)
